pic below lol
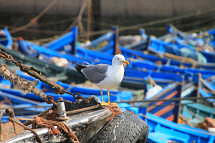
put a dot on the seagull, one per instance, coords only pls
(105, 76)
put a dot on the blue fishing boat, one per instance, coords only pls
(194, 43)
(84, 55)
(193, 39)
(206, 89)
(195, 113)
(5, 38)
(84, 92)
(129, 53)
(165, 109)
(164, 131)
(69, 39)
(211, 32)
(96, 114)
(22, 107)
(93, 57)
(133, 51)
(162, 117)
(24, 110)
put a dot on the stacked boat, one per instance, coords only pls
(172, 75)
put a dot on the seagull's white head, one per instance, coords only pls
(119, 60)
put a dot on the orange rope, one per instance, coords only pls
(61, 126)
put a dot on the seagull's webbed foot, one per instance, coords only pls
(104, 104)
(113, 104)
(109, 103)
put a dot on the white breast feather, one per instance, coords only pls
(114, 77)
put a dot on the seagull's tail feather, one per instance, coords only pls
(79, 67)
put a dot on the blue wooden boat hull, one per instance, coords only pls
(91, 57)
(180, 39)
(195, 113)
(129, 53)
(94, 57)
(160, 47)
(23, 106)
(154, 122)
(6, 39)
(164, 131)
(104, 58)
(204, 38)
(162, 116)
(30, 98)
(212, 33)
(166, 109)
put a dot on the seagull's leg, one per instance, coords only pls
(109, 103)
(103, 102)
(101, 93)
(108, 93)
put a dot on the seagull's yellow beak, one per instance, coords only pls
(125, 62)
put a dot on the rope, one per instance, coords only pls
(25, 84)
(152, 106)
(198, 13)
(89, 18)
(79, 17)
(134, 26)
(186, 25)
(26, 128)
(172, 99)
(44, 31)
(154, 22)
(35, 19)
(60, 126)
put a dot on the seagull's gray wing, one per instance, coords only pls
(95, 73)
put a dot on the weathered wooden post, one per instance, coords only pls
(178, 103)
(199, 86)
(116, 49)
(89, 18)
